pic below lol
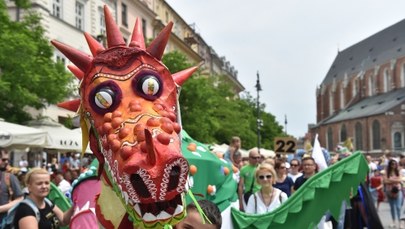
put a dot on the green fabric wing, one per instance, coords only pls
(324, 191)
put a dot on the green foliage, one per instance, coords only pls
(211, 114)
(28, 76)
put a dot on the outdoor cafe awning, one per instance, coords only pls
(21, 136)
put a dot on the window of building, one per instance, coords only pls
(358, 136)
(397, 141)
(376, 135)
(342, 97)
(330, 139)
(403, 76)
(79, 15)
(387, 81)
(124, 15)
(57, 8)
(343, 133)
(144, 28)
(331, 99)
(167, 16)
(101, 22)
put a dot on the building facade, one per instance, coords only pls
(66, 20)
(362, 96)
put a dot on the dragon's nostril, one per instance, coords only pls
(174, 178)
(139, 186)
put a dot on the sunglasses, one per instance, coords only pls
(4, 159)
(294, 165)
(261, 177)
(282, 167)
(255, 158)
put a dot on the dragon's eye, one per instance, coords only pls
(105, 97)
(148, 86)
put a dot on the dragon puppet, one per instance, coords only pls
(130, 116)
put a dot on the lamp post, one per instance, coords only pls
(285, 124)
(259, 121)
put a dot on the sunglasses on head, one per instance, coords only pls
(261, 177)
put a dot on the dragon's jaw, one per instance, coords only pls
(151, 192)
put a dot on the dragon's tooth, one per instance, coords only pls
(125, 197)
(179, 209)
(163, 215)
(148, 217)
(138, 209)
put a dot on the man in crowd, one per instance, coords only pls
(309, 168)
(10, 190)
(247, 182)
(62, 184)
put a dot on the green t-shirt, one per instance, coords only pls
(248, 174)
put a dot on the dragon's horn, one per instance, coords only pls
(137, 39)
(182, 76)
(76, 71)
(72, 105)
(158, 45)
(114, 37)
(95, 46)
(79, 58)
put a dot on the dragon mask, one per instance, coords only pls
(129, 113)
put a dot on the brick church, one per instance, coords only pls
(362, 96)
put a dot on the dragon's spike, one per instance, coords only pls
(182, 76)
(72, 105)
(137, 39)
(114, 37)
(76, 71)
(79, 58)
(158, 45)
(95, 46)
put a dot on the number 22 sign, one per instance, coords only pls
(284, 145)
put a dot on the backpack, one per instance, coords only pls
(8, 220)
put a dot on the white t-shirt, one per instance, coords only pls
(64, 186)
(294, 177)
(261, 207)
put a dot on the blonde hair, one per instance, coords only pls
(32, 172)
(266, 167)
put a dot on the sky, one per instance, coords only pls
(291, 43)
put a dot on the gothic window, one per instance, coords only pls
(342, 97)
(331, 98)
(330, 139)
(376, 135)
(387, 81)
(358, 129)
(397, 141)
(343, 133)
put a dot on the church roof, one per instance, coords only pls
(377, 49)
(378, 104)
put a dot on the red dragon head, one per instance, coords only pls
(129, 107)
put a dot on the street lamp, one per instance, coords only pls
(259, 121)
(285, 124)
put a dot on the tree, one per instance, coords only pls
(28, 76)
(211, 114)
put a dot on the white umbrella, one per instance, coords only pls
(18, 135)
(264, 152)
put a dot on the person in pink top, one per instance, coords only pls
(392, 182)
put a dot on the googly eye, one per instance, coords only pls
(104, 98)
(148, 85)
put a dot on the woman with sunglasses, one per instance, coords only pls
(392, 181)
(267, 198)
(283, 182)
(294, 169)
